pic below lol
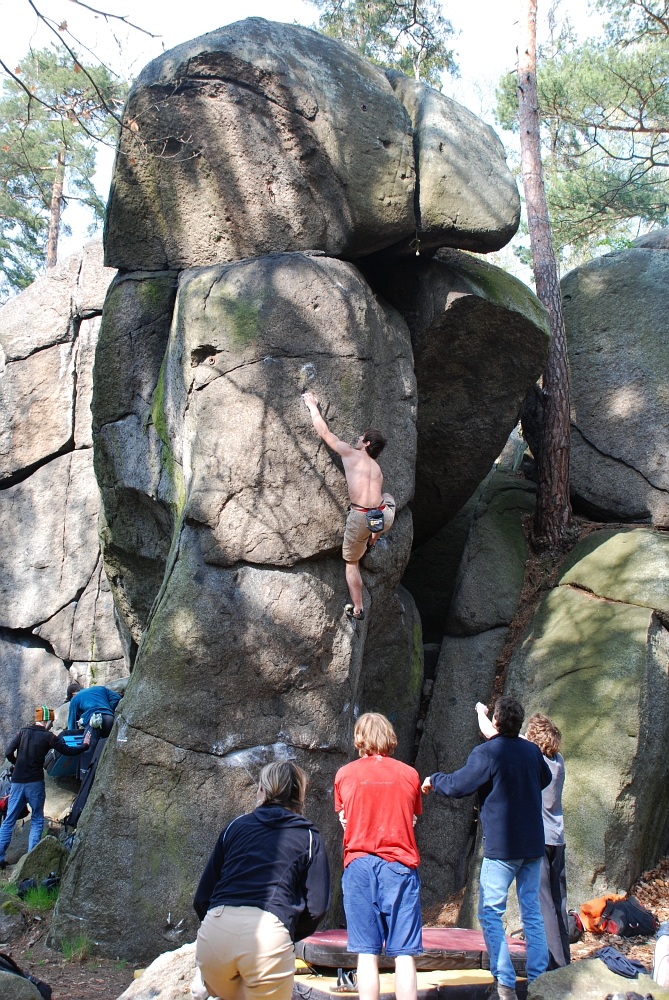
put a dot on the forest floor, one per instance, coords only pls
(86, 976)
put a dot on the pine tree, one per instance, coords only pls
(53, 113)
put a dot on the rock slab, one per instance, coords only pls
(467, 197)
(598, 667)
(167, 978)
(480, 342)
(589, 979)
(615, 316)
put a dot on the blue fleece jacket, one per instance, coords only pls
(509, 774)
(273, 859)
(90, 700)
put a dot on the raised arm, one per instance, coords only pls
(485, 725)
(322, 429)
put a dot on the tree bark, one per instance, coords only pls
(54, 217)
(553, 507)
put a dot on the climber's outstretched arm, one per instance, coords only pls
(322, 429)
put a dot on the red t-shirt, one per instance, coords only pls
(379, 797)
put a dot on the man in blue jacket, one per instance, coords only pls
(509, 774)
(94, 707)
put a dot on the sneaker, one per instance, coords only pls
(506, 992)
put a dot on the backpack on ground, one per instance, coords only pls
(576, 928)
(591, 911)
(8, 964)
(628, 918)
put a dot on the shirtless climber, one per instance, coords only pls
(365, 482)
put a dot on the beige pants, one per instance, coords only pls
(245, 952)
(357, 534)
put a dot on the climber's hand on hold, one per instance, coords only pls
(310, 399)
(480, 707)
(426, 787)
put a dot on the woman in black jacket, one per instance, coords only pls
(266, 885)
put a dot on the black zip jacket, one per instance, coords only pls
(274, 859)
(509, 774)
(29, 748)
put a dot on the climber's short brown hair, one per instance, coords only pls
(543, 731)
(374, 441)
(373, 733)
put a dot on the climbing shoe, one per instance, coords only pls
(358, 616)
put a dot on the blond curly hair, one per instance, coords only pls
(543, 731)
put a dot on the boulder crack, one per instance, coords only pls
(616, 458)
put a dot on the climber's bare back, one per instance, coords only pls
(363, 475)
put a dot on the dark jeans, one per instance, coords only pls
(96, 734)
(553, 899)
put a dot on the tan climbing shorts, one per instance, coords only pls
(244, 952)
(357, 533)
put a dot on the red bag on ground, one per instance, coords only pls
(593, 909)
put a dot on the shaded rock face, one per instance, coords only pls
(132, 463)
(595, 660)
(615, 314)
(56, 611)
(253, 593)
(485, 597)
(446, 831)
(263, 137)
(467, 198)
(16, 988)
(480, 341)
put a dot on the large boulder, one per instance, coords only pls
(247, 656)
(167, 978)
(46, 857)
(590, 979)
(51, 577)
(492, 569)
(255, 138)
(480, 341)
(595, 660)
(263, 137)
(467, 196)
(615, 315)
(16, 988)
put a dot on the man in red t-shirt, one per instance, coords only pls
(378, 800)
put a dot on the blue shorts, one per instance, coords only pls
(382, 904)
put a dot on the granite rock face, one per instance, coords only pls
(467, 197)
(480, 342)
(253, 593)
(595, 660)
(615, 314)
(51, 578)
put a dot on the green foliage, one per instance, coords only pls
(604, 108)
(51, 106)
(408, 35)
(78, 949)
(40, 899)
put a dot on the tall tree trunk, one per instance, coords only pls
(553, 507)
(54, 217)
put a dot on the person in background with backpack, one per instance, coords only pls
(266, 885)
(553, 893)
(93, 707)
(27, 751)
